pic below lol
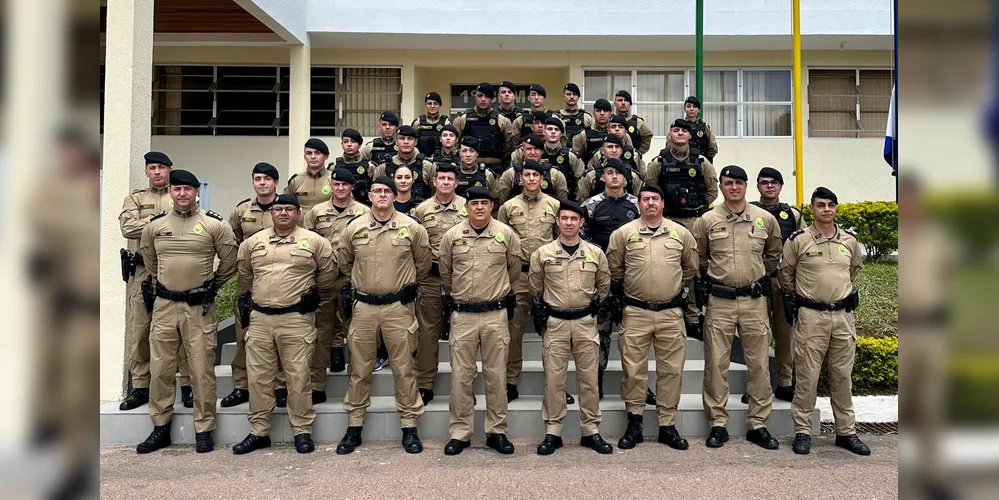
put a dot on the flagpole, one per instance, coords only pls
(894, 88)
(699, 54)
(796, 30)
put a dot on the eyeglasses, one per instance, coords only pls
(382, 192)
(770, 183)
(288, 209)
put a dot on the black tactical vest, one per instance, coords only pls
(684, 185)
(699, 137)
(421, 186)
(440, 157)
(560, 161)
(636, 138)
(381, 152)
(512, 114)
(362, 177)
(785, 218)
(574, 124)
(486, 129)
(429, 139)
(528, 117)
(547, 186)
(594, 139)
(628, 158)
(467, 180)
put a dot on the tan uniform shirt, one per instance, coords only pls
(325, 220)
(511, 136)
(248, 218)
(596, 163)
(644, 131)
(437, 219)
(587, 185)
(652, 265)
(142, 204)
(480, 267)
(507, 181)
(179, 249)
(426, 169)
(569, 281)
(579, 141)
(710, 175)
(383, 258)
(818, 268)
(534, 218)
(280, 270)
(311, 189)
(738, 249)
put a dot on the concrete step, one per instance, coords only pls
(382, 421)
(532, 379)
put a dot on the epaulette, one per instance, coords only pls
(137, 191)
(795, 234)
(292, 178)
(156, 216)
(352, 219)
(851, 233)
(244, 201)
(214, 215)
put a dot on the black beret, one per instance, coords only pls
(556, 121)
(385, 181)
(509, 85)
(616, 164)
(444, 168)
(388, 116)
(534, 140)
(343, 174)
(613, 139)
(486, 89)
(407, 131)
(434, 96)
(287, 199)
(772, 173)
(572, 87)
(734, 172)
(157, 157)
(625, 94)
(824, 193)
(539, 116)
(478, 193)
(570, 206)
(603, 104)
(450, 128)
(470, 142)
(539, 89)
(619, 120)
(680, 122)
(651, 188)
(533, 165)
(353, 135)
(318, 145)
(266, 169)
(693, 100)
(184, 178)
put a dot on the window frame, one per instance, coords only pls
(856, 108)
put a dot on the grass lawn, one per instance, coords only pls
(878, 312)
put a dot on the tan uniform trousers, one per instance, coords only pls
(515, 358)
(178, 327)
(138, 360)
(664, 332)
(239, 376)
(829, 336)
(280, 343)
(429, 315)
(749, 315)
(577, 340)
(491, 330)
(922, 377)
(330, 328)
(783, 349)
(398, 332)
(691, 313)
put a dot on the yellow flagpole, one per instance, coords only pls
(796, 30)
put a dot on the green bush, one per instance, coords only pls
(225, 301)
(874, 222)
(962, 213)
(875, 369)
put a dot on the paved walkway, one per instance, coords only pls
(867, 408)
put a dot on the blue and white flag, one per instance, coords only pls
(891, 135)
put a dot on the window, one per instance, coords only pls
(738, 103)
(254, 100)
(848, 102)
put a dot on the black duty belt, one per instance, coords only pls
(570, 314)
(758, 288)
(193, 296)
(435, 269)
(823, 306)
(479, 307)
(678, 301)
(406, 295)
(275, 311)
(525, 267)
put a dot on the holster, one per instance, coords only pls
(310, 299)
(347, 300)
(616, 303)
(447, 307)
(148, 293)
(702, 289)
(539, 310)
(605, 343)
(211, 289)
(126, 263)
(790, 306)
(510, 302)
(244, 304)
(854, 300)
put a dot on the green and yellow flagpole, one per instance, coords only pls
(699, 55)
(796, 31)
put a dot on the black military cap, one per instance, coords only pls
(444, 168)
(450, 128)
(693, 100)
(470, 142)
(619, 120)
(613, 139)
(353, 135)
(478, 193)
(680, 122)
(570, 206)
(772, 173)
(649, 187)
(318, 145)
(572, 87)
(407, 131)
(533, 165)
(390, 117)
(556, 121)
(343, 174)
(539, 116)
(534, 140)
(825, 194)
(603, 104)
(734, 172)
(486, 89)
(157, 157)
(539, 89)
(616, 164)
(184, 178)
(266, 169)
(509, 85)
(287, 199)
(625, 94)
(385, 181)
(433, 96)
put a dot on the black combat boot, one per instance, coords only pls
(802, 444)
(187, 396)
(281, 397)
(251, 443)
(235, 398)
(762, 438)
(203, 442)
(694, 331)
(318, 397)
(633, 434)
(785, 393)
(338, 361)
(511, 392)
(853, 443)
(669, 436)
(411, 440)
(717, 437)
(500, 443)
(304, 444)
(159, 438)
(135, 399)
(427, 395)
(569, 399)
(351, 440)
(550, 444)
(596, 443)
(650, 397)
(455, 446)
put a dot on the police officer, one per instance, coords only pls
(650, 259)
(422, 169)
(769, 181)
(448, 150)
(611, 149)
(387, 255)
(588, 142)
(638, 130)
(249, 217)
(532, 215)
(179, 248)
(288, 270)
(494, 131)
(470, 172)
(328, 219)
(312, 186)
(557, 154)
(438, 214)
(507, 96)
(700, 133)
(536, 95)
(351, 160)
(576, 119)
(818, 273)
(136, 211)
(480, 259)
(568, 278)
(431, 125)
(537, 127)
(688, 179)
(381, 149)
(629, 156)
(738, 245)
(406, 200)
(553, 182)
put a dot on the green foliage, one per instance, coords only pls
(874, 222)
(225, 301)
(962, 213)
(878, 312)
(875, 369)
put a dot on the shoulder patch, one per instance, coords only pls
(214, 215)
(156, 216)
(795, 234)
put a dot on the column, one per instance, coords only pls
(299, 108)
(411, 105)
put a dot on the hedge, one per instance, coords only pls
(962, 213)
(875, 369)
(874, 222)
